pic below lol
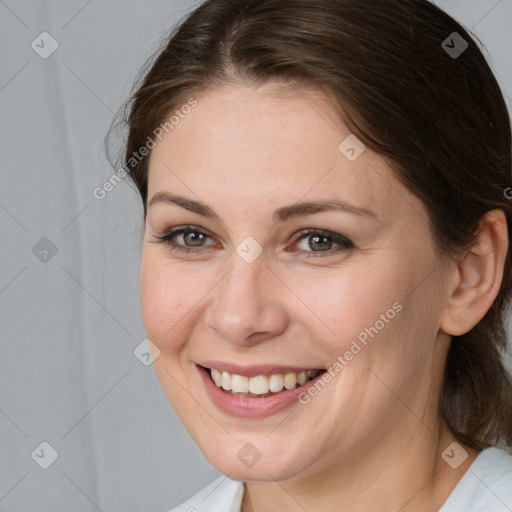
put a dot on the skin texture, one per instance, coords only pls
(372, 439)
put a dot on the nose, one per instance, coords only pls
(247, 306)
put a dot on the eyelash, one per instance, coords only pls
(344, 243)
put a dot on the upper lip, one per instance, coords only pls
(254, 370)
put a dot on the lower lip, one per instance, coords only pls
(248, 407)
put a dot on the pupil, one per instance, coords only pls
(315, 242)
(194, 238)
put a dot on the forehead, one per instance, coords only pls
(268, 146)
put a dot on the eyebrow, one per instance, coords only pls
(281, 214)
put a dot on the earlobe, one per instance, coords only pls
(477, 277)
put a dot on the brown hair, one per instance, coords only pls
(440, 120)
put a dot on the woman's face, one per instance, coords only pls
(248, 286)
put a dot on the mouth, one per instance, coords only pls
(260, 386)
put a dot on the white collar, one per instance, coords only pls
(487, 480)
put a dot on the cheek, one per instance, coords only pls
(370, 318)
(357, 306)
(167, 299)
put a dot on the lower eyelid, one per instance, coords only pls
(339, 240)
(167, 237)
(208, 237)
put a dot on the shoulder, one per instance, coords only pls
(487, 485)
(221, 495)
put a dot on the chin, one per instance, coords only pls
(243, 461)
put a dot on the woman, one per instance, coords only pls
(326, 268)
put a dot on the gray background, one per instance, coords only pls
(70, 324)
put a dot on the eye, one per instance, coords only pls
(321, 241)
(316, 242)
(185, 239)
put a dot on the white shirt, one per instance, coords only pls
(486, 487)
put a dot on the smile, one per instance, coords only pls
(240, 401)
(260, 385)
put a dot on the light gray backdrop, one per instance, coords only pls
(69, 300)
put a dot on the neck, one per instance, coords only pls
(405, 473)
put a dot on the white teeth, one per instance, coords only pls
(226, 381)
(239, 384)
(290, 380)
(217, 377)
(260, 385)
(275, 383)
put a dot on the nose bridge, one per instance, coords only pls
(244, 304)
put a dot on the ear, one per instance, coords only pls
(477, 277)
